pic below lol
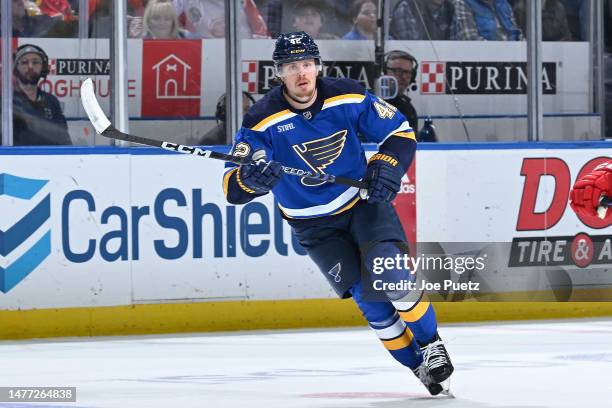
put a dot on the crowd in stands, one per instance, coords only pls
(493, 20)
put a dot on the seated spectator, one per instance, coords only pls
(554, 20)
(491, 20)
(160, 21)
(57, 9)
(363, 16)
(218, 135)
(100, 21)
(23, 24)
(422, 20)
(272, 13)
(309, 16)
(206, 18)
(577, 18)
(37, 115)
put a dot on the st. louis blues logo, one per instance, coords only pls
(320, 153)
(25, 243)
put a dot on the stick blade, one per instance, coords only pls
(92, 107)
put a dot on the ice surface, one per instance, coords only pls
(539, 364)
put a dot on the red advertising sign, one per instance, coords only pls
(533, 170)
(171, 78)
(405, 204)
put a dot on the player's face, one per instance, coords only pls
(300, 78)
(161, 25)
(401, 69)
(29, 66)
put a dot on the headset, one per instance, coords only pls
(397, 54)
(220, 111)
(28, 49)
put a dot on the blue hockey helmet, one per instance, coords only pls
(295, 46)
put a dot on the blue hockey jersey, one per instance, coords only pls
(325, 138)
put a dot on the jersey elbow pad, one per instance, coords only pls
(402, 145)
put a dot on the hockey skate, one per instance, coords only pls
(436, 369)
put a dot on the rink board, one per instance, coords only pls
(130, 240)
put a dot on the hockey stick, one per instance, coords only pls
(104, 127)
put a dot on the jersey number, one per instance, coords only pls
(384, 110)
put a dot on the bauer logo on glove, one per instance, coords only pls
(384, 178)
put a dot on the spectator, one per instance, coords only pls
(37, 115)
(218, 135)
(160, 21)
(404, 67)
(57, 9)
(206, 18)
(100, 21)
(363, 16)
(272, 12)
(554, 20)
(577, 18)
(422, 20)
(309, 16)
(23, 24)
(491, 20)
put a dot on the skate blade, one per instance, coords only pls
(446, 389)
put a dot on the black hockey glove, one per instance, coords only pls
(259, 178)
(384, 177)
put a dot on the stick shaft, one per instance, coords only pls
(113, 133)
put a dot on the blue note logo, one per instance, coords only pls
(24, 242)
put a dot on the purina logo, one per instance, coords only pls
(482, 78)
(26, 242)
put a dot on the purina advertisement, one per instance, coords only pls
(117, 229)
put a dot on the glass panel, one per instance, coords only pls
(50, 63)
(608, 65)
(570, 111)
(174, 75)
(471, 78)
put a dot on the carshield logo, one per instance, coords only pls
(25, 243)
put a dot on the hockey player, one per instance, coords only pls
(588, 191)
(313, 123)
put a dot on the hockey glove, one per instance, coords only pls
(384, 177)
(587, 191)
(259, 178)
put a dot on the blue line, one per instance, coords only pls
(153, 151)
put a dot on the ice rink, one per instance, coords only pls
(536, 364)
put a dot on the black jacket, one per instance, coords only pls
(40, 122)
(404, 105)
